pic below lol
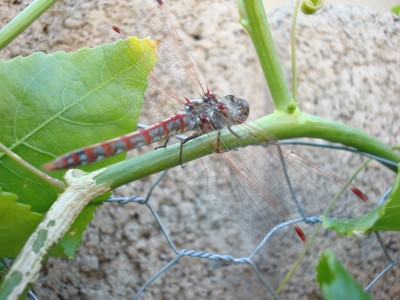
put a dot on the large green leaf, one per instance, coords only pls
(336, 282)
(51, 104)
(54, 103)
(385, 217)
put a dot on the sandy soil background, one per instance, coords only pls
(348, 64)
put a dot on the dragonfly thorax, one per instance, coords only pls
(211, 113)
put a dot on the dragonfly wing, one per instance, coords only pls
(260, 187)
(132, 58)
(176, 72)
(236, 191)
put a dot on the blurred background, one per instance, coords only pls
(375, 5)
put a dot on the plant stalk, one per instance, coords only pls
(18, 24)
(277, 126)
(254, 19)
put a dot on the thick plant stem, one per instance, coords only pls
(254, 19)
(293, 47)
(23, 20)
(278, 125)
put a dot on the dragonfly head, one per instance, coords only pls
(239, 108)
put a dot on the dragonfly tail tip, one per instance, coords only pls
(51, 166)
(359, 194)
(300, 233)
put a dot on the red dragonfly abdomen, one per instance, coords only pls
(179, 123)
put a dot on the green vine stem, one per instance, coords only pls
(23, 20)
(19, 160)
(279, 125)
(254, 19)
(293, 48)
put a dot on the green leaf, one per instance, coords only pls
(17, 222)
(335, 282)
(396, 10)
(385, 217)
(55, 103)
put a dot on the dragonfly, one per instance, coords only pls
(248, 185)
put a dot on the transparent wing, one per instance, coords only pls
(131, 58)
(173, 80)
(176, 70)
(267, 184)
(126, 63)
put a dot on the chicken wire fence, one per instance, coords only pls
(248, 260)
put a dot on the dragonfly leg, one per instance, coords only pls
(218, 145)
(240, 137)
(183, 142)
(163, 146)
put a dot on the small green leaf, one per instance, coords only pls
(51, 104)
(396, 10)
(17, 222)
(385, 217)
(336, 282)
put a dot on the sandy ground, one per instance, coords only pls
(348, 64)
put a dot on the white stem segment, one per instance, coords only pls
(25, 270)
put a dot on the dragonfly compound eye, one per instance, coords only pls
(244, 109)
(239, 108)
